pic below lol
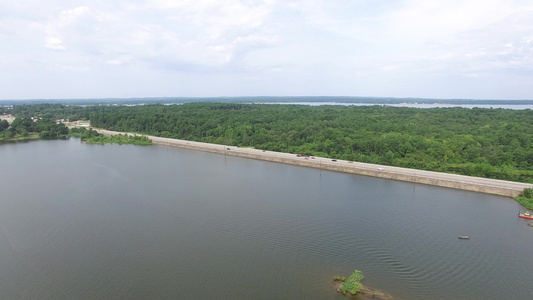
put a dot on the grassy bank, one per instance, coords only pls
(20, 138)
(119, 139)
(526, 198)
(92, 137)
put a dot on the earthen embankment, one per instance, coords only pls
(476, 184)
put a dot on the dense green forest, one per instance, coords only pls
(5, 110)
(59, 111)
(26, 128)
(493, 143)
(45, 126)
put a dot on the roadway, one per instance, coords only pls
(484, 185)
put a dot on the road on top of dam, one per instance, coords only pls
(477, 184)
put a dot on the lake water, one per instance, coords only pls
(412, 105)
(81, 221)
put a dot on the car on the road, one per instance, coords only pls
(333, 160)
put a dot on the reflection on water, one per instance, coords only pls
(84, 221)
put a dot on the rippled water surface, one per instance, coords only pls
(82, 221)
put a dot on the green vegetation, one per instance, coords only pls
(526, 198)
(26, 129)
(3, 125)
(93, 137)
(352, 284)
(57, 111)
(36, 122)
(491, 143)
(5, 110)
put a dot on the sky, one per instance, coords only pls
(467, 49)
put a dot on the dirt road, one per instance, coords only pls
(8, 118)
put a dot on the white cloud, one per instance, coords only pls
(54, 43)
(358, 47)
(56, 28)
(199, 32)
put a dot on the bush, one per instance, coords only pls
(353, 284)
(528, 193)
(526, 198)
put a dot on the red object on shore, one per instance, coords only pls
(527, 215)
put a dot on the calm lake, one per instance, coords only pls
(81, 221)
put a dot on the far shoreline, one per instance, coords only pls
(461, 182)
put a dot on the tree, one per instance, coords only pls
(24, 133)
(3, 125)
(453, 140)
(528, 193)
(353, 283)
(8, 134)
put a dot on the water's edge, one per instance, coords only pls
(461, 182)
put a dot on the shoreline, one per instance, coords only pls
(461, 182)
(365, 293)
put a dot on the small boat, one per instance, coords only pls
(464, 237)
(526, 215)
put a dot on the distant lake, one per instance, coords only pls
(80, 221)
(303, 100)
(414, 105)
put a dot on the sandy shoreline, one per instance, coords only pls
(476, 184)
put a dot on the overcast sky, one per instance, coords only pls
(481, 49)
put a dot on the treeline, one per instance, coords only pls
(5, 110)
(25, 128)
(39, 121)
(58, 111)
(93, 137)
(492, 143)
